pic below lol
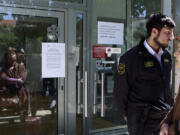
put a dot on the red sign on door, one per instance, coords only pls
(99, 51)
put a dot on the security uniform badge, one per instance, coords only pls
(166, 60)
(121, 69)
(148, 64)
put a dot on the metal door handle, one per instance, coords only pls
(102, 95)
(95, 93)
(86, 95)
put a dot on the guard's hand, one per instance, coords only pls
(164, 129)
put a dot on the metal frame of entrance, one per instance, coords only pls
(69, 10)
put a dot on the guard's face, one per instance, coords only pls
(164, 37)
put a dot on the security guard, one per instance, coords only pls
(142, 83)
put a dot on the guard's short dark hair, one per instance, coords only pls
(158, 21)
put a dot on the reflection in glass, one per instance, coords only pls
(79, 72)
(50, 2)
(74, 1)
(141, 9)
(27, 101)
(110, 120)
(61, 0)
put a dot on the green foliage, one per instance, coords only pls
(139, 33)
(7, 38)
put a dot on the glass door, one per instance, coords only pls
(29, 103)
(89, 104)
(105, 118)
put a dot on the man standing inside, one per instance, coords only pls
(142, 83)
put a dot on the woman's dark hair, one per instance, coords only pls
(159, 21)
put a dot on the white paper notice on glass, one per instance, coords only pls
(53, 60)
(110, 33)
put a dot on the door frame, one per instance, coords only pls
(70, 110)
(70, 85)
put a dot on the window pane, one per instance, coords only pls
(75, 1)
(143, 8)
(79, 72)
(60, 0)
(27, 101)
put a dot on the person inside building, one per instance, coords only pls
(170, 124)
(142, 82)
(12, 81)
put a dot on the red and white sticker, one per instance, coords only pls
(99, 51)
(110, 51)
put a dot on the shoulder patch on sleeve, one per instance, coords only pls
(121, 68)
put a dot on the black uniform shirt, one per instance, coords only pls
(140, 79)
